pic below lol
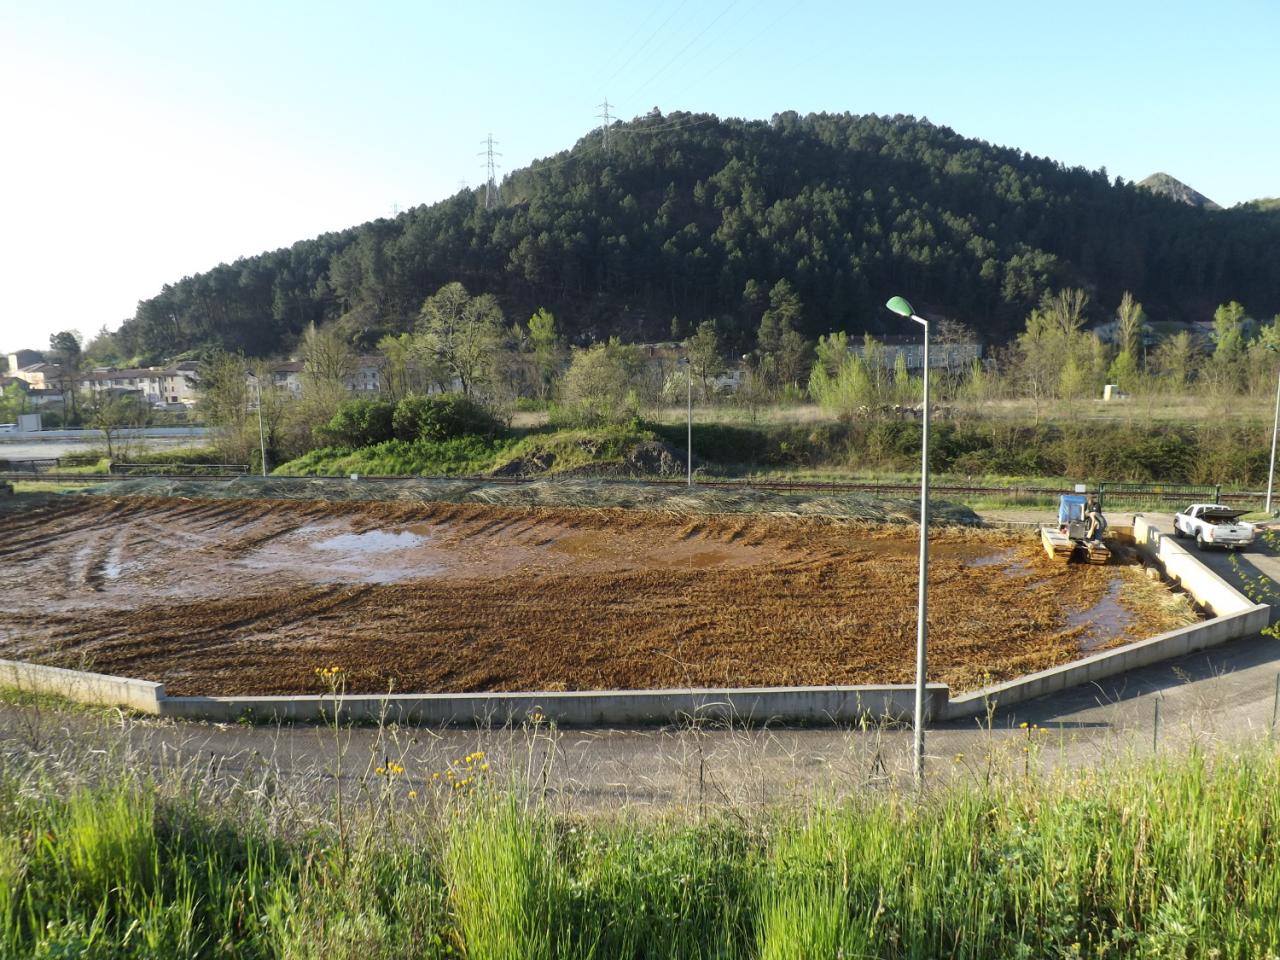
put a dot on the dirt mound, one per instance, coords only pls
(656, 458)
(575, 492)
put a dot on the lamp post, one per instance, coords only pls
(688, 364)
(1275, 428)
(900, 306)
(262, 436)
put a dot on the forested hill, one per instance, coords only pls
(693, 216)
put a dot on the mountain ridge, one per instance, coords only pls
(693, 216)
(1173, 188)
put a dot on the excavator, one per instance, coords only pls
(1078, 535)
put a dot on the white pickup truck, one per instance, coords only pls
(1213, 525)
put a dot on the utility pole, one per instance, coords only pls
(491, 196)
(604, 127)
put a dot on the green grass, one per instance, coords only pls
(560, 451)
(1164, 858)
(461, 455)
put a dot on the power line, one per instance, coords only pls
(491, 193)
(680, 52)
(637, 50)
(769, 26)
(653, 10)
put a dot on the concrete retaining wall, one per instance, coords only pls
(1235, 615)
(1179, 565)
(753, 705)
(93, 688)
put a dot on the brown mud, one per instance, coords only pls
(221, 597)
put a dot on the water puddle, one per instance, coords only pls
(1007, 562)
(992, 559)
(371, 542)
(1104, 621)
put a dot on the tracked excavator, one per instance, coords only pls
(1078, 534)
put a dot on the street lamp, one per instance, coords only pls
(262, 436)
(1275, 428)
(689, 441)
(900, 306)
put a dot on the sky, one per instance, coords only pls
(144, 141)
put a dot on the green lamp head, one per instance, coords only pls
(900, 306)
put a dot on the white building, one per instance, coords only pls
(158, 386)
(942, 356)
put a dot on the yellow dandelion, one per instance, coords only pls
(413, 794)
(484, 766)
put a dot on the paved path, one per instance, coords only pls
(1224, 694)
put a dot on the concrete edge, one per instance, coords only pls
(754, 706)
(1236, 616)
(1110, 663)
(97, 689)
(743, 705)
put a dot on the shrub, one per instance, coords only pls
(358, 422)
(441, 416)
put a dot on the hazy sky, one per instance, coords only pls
(143, 141)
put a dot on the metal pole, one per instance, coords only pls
(689, 441)
(1271, 473)
(922, 608)
(262, 437)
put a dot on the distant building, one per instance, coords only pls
(157, 386)
(286, 375)
(942, 356)
(40, 375)
(367, 377)
(22, 358)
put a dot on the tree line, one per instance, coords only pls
(690, 218)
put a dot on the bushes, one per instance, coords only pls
(362, 422)
(466, 454)
(358, 422)
(440, 416)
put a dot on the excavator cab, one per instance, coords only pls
(1071, 511)
(1072, 536)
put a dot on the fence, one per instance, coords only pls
(1148, 495)
(59, 468)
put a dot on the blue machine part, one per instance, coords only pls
(1071, 507)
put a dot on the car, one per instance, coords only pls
(1213, 525)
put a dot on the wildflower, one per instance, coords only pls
(380, 771)
(484, 766)
(394, 769)
(1022, 725)
(436, 775)
(413, 794)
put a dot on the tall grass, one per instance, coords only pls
(1161, 858)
